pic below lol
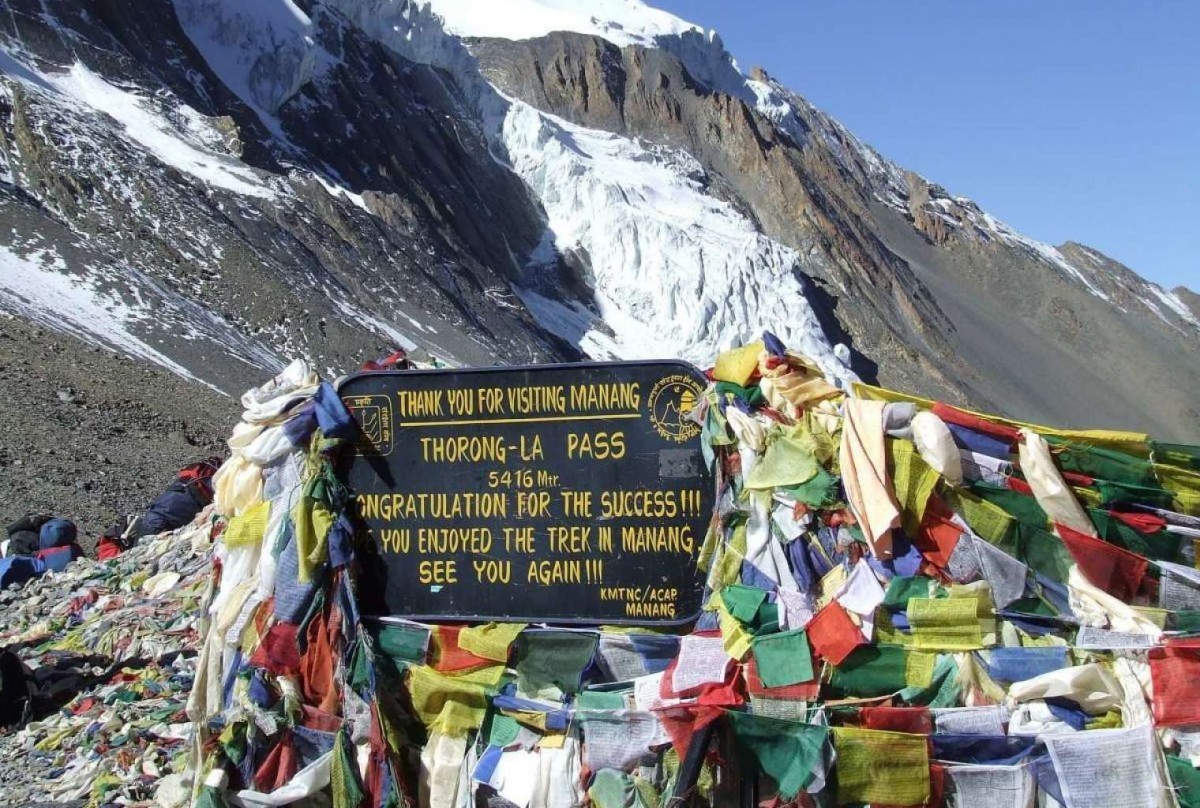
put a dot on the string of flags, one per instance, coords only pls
(906, 604)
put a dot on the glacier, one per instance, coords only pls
(675, 271)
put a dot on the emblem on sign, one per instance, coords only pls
(374, 416)
(671, 403)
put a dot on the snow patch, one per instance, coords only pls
(356, 316)
(336, 190)
(264, 51)
(1049, 254)
(622, 22)
(143, 124)
(1173, 302)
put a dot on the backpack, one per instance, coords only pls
(197, 477)
(23, 534)
(18, 569)
(57, 559)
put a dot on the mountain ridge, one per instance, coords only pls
(213, 187)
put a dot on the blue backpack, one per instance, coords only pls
(19, 569)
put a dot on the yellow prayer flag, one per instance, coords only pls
(945, 624)
(248, 529)
(738, 365)
(728, 569)
(913, 481)
(737, 639)
(881, 767)
(831, 582)
(490, 641)
(1156, 616)
(554, 740)
(453, 705)
(533, 719)
(989, 521)
(918, 669)
(1184, 483)
(887, 634)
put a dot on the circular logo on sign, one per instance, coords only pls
(671, 403)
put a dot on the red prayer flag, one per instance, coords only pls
(447, 656)
(1114, 569)
(938, 536)
(1075, 478)
(832, 633)
(722, 695)
(280, 766)
(913, 720)
(804, 691)
(1020, 486)
(1175, 673)
(683, 721)
(1141, 522)
(952, 415)
(318, 719)
(317, 668)
(278, 652)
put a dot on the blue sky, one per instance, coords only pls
(1069, 119)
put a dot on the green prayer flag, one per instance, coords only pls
(879, 670)
(1177, 454)
(1186, 781)
(503, 730)
(209, 797)
(401, 643)
(783, 659)
(1023, 507)
(359, 674)
(788, 459)
(1095, 461)
(818, 491)
(1032, 605)
(788, 752)
(766, 620)
(1186, 621)
(943, 691)
(1044, 552)
(1161, 545)
(551, 662)
(614, 789)
(343, 774)
(751, 395)
(901, 589)
(1113, 491)
(601, 700)
(743, 601)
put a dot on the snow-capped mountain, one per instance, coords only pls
(213, 185)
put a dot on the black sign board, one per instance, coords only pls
(552, 493)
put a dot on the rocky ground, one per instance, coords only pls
(93, 436)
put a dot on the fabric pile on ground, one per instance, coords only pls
(109, 651)
(907, 604)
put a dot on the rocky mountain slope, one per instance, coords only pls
(95, 435)
(212, 186)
